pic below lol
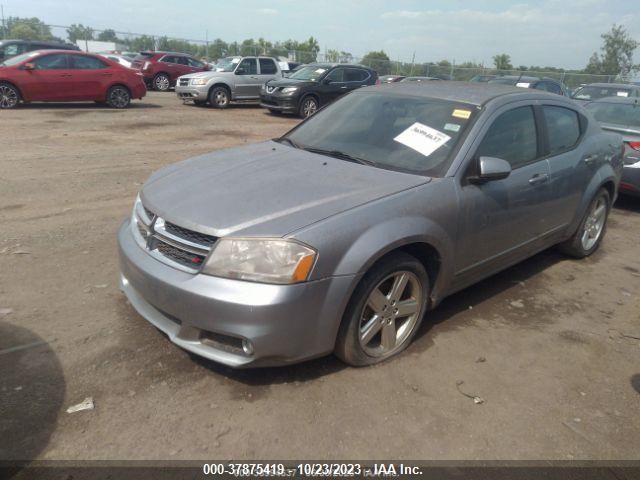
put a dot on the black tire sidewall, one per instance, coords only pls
(348, 347)
(574, 246)
(212, 95)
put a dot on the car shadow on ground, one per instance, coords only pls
(135, 105)
(32, 389)
(451, 306)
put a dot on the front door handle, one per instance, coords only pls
(590, 159)
(538, 178)
(343, 88)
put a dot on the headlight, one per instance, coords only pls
(289, 89)
(261, 260)
(199, 81)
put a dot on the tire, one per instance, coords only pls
(308, 106)
(9, 96)
(119, 97)
(161, 82)
(378, 323)
(275, 112)
(219, 97)
(199, 103)
(593, 226)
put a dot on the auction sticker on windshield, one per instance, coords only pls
(422, 139)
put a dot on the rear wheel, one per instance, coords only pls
(161, 82)
(219, 97)
(590, 233)
(118, 97)
(9, 96)
(385, 311)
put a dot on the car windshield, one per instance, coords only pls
(310, 72)
(19, 59)
(227, 64)
(623, 114)
(591, 92)
(503, 81)
(407, 133)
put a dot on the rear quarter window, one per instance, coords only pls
(563, 128)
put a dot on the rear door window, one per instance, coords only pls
(355, 75)
(80, 62)
(512, 137)
(563, 128)
(549, 87)
(267, 66)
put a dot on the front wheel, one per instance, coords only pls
(308, 107)
(9, 96)
(219, 97)
(385, 311)
(589, 234)
(118, 97)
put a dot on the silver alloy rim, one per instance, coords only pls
(119, 97)
(162, 82)
(390, 314)
(309, 107)
(595, 224)
(220, 98)
(8, 97)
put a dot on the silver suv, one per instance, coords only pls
(233, 79)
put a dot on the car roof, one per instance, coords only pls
(623, 100)
(462, 92)
(65, 52)
(614, 85)
(331, 65)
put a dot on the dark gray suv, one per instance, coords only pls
(342, 234)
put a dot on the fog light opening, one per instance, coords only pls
(247, 347)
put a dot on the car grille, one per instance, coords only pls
(172, 244)
(184, 82)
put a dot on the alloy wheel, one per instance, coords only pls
(390, 314)
(8, 97)
(162, 83)
(220, 98)
(119, 98)
(309, 107)
(594, 225)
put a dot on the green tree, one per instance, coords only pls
(79, 32)
(617, 54)
(502, 61)
(108, 35)
(27, 29)
(379, 61)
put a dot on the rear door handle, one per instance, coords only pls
(590, 159)
(538, 178)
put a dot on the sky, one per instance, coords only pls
(556, 33)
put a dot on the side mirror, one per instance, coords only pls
(327, 81)
(207, 67)
(29, 66)
(240, 71)
(491, 168)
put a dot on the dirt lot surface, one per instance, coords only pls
(552, 346)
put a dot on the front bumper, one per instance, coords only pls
(191, 92)
(284, 323)
(280, 103)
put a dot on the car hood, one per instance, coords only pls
(266, 189)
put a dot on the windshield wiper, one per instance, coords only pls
(340, 155)
(288, 140)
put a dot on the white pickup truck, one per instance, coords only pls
(234, 79)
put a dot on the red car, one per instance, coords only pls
(162, 69)
(67, 76)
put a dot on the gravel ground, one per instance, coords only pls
(552, 345)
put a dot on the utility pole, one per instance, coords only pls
(413, 59)
(4, 32)
(206, 36)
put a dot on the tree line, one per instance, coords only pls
(614, 59)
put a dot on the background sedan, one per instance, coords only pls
(66, 76)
